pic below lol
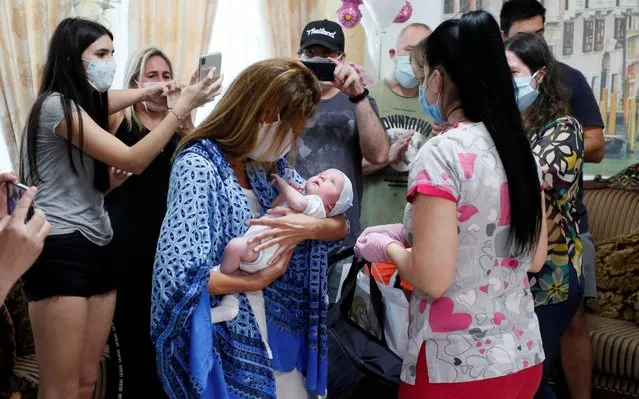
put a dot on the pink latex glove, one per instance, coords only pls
(373, 247)
(394, 231)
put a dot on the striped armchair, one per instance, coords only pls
(613, 212)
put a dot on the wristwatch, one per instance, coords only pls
(359, 98)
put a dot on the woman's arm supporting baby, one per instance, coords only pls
(242, 249)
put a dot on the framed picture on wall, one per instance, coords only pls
(600, 25)
(569, 35)
(589, 35)
(620, 32)
(449, 6)
(616, 82)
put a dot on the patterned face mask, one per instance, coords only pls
(100, 73)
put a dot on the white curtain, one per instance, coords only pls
(182, 29)
(46, 14)
(25, 29)
(5, 159)
(241, 32)
(287, 19)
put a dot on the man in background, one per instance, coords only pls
(344, 130)
(408, 128)
(576, 349)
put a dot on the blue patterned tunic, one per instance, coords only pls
(197, 359)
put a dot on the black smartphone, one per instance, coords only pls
(325, 71)
(15, 191)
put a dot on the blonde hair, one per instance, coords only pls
(418, 55)
(135, 67)
(284, 83)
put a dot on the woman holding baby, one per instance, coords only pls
(275, 347)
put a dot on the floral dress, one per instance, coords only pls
(559, 148)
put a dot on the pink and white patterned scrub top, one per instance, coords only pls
(484, 326)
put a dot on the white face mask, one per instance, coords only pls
(100, 73)
(265, 136)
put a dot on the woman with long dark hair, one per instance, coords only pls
(71, 288)
(557, 142)
(474, 219)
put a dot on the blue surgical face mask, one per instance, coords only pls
(431, 110)
(404, 73)
(526, 95)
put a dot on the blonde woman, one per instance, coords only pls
(221, 178)
(137, 208)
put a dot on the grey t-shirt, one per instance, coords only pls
(331, 140)
(70, 201)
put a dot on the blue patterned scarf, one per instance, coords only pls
(196, 359)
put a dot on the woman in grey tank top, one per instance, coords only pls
(70, 288)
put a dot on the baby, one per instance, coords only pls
(328, 194)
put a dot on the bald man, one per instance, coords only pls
(408, 128)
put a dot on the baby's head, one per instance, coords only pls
(335, 190)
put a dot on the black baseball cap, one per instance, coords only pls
(325, 33)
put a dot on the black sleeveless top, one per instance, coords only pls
(137, 207)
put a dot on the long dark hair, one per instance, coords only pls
(469, 53)
(553, 100)
(64, 73)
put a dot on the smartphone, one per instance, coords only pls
(15, 191)
(208, 61)
(325, 71)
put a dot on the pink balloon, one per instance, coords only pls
(405, 13)
(349, 14)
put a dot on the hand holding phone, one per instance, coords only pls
(323, 70)
(347, 79)
(5, 179)
(208, 62)
(21, 241)
(15, 191)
